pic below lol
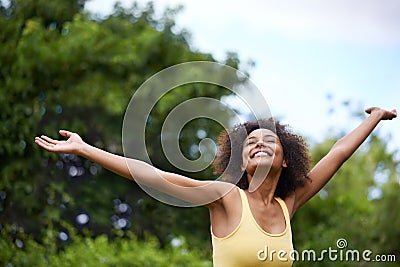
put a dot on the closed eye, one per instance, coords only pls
(270, 139)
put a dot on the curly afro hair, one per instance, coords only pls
(228, 160)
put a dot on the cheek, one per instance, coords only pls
(245, 152)
(279, 156)
(245, 158)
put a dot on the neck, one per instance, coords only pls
(264, 191)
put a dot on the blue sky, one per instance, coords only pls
(304, 50)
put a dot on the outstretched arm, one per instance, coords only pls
(75, 145)
(187, 189)
(339, 153)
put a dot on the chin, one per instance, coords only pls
(263, 161)
(262, 166)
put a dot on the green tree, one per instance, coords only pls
(60, 68)
(356, 205)
(96, 251)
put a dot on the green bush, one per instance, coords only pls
(18, 249)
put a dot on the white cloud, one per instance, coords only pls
(369, 21)
(343, 20)
(298, 70)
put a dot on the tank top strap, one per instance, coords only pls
(246, 206)
(284, 209)
(245, 203)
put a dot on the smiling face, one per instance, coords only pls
(262, 150)
(236, 163)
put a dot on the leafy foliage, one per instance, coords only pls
(65, 70)
(62, 68)
(356, 205)
(97, 251)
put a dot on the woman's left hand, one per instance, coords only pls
(385, 114)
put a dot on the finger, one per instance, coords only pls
(50, 140)
(43, 144)
(65, 133)
(393, 114)
(369, 110)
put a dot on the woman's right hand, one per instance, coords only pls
(204, 193)
(73, 145)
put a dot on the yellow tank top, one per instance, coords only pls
(249, 245)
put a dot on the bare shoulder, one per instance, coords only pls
(225, 213)
(229, 196)
(290, 202)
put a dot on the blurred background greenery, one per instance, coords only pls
(62, 68)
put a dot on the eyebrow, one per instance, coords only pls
(267, 135)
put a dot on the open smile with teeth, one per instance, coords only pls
(261, 153)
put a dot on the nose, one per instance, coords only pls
(260, 143)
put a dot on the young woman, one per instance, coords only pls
(254, 214)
